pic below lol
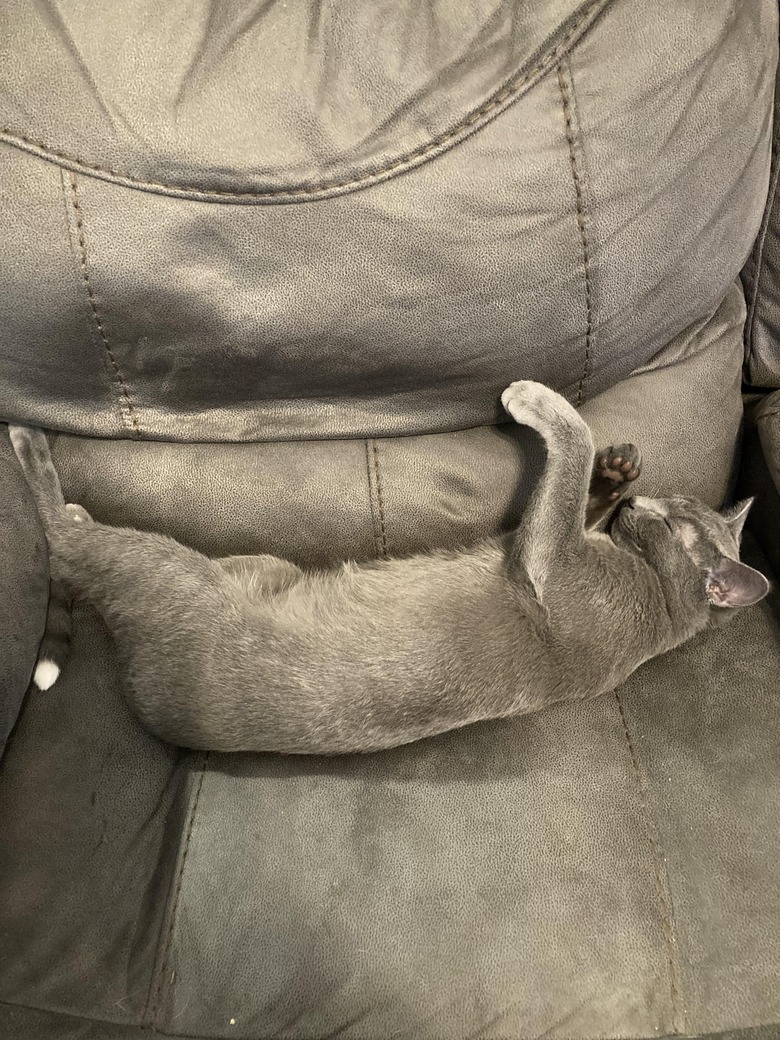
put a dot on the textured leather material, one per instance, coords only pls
(23, 1023)
(767, 419)
(93, 810)
(329, 107)
(568, 240)
(761, 277)
(24, 586)
(319, 502)
(760, 474)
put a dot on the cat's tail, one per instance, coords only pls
(55, 645)
(32, 451)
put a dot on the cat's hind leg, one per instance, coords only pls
(77, 513)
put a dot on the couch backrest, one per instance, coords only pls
(345, 220)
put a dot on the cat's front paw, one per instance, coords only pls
(77, 513)
(613, 468)
(534, 404)
(527, 398)
(524, 395)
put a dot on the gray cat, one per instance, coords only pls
(250, 653)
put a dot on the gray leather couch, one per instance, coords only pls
(266, 268)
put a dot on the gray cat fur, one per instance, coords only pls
(253, 654)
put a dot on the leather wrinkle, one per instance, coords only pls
(129, 417)
(567, 100)
(670, 941)
(166, 941)
(504, 96)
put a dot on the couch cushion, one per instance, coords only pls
(175, 98)
(24, 586)
(600, 870)
(761, 277)
(492, 879)
(760, 474)
(608, 871)
(569, 239)
(320, 502)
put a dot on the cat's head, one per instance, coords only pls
(709, 539)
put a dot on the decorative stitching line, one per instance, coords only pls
(505, 95)
(678, 1020)
(126, 406)
(378, 514)
(155, 1009)
(583, 232)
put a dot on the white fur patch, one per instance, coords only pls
(46, 674)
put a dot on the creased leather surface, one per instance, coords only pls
(343, 89)
(568, 240)
(767, 420)
(761, 474)
(319, 502)
(24, 587)
(761, 277)
(23, 1023)
(92, 813)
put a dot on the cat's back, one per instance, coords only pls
(458, 592)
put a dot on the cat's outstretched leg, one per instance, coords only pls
(552, 528)
(614, 469)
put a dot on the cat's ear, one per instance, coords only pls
(736, 515)
(734, 584)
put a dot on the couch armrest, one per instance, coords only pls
(761, 473)
(24, 586)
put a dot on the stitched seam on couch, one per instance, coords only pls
(126, 409)
(670, 941)
(162, 961)
(489, 109)
(376, 500)
(567, 97)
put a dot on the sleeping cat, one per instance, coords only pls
(250, 653)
